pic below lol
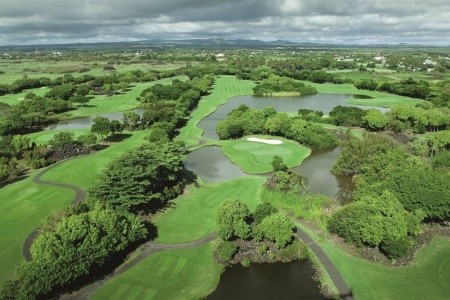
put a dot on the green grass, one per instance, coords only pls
(171, 274)
(427, 278)
(120, 102)
(25, 204)
(42, 137)
(379, 98)
(256, 158)
(24, 207)
(193, 214)
(224, 88)
(14, 99)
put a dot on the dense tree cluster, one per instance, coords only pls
(234, 221)
(143, 178)
(75, 247)
(245, 121)
(386, 173)
(377, 221)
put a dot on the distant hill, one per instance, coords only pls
(209, 43)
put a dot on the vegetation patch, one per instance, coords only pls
(256, 158)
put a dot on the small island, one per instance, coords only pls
(281, 86)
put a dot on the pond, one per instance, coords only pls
(268, 281)
(322, 102)
(211, 165)
(86, 122)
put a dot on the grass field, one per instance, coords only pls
(26, 204)
(193, 214)
(378, 98)
(42, 137)
(171, 274)
(14, 99)
(427, 278)
(120, 102)
(224, 88)
(256, 158)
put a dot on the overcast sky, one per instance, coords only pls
(329, 21)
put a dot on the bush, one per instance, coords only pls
(396, 248)
(232, 219)
(245, 262)
(263, 210)
(278, 228)
(225, 250)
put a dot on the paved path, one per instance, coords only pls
(80, 195)
(342, 287)
(148, 249)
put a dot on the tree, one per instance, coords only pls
(263, 210)
(88, 139)
(101, 126)
(115, 127)
(21, 143)
(232, 219)
(131, 120)
(278, 164)
(142, 178)
(278, 124)
(375, 120)
(278, 228)
(374, 220)
(62, 138)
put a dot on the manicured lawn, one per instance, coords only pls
(171, 274)
(83, 171)
(120, 102)
(193, 214)
(256, 158)
(224, 88)
(379, 98)
(42, 137)
(427, 278)
(24, 206)
(14, 99)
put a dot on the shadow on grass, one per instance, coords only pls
(118, 137)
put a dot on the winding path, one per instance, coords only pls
(148, 248)
(344, 291)
(80, 195)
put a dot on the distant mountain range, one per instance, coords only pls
(211, 43)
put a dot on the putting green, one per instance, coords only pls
(256, 157)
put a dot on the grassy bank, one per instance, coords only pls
(426, 278)
(171, 274)
(224, 88)
(256, 158)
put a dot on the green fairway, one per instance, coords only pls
(27, 204)
(13, 99)
(427, 278)
(42, 137)
(224, 88)
(24, 207)
(171, 274)
(120, 102)
(378, 98)
(256, 157)
(193, 214)
(83, 171)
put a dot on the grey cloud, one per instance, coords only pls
(360, 21)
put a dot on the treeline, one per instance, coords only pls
(278, 85)
(244, 121)
(409, 87)
(395, 192)
(398, 119)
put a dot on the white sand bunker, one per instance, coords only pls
(265, 141)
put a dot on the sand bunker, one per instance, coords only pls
(271, 142)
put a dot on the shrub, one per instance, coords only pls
(225, 250)
(396, 248)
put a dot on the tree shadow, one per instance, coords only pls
(118, 137)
